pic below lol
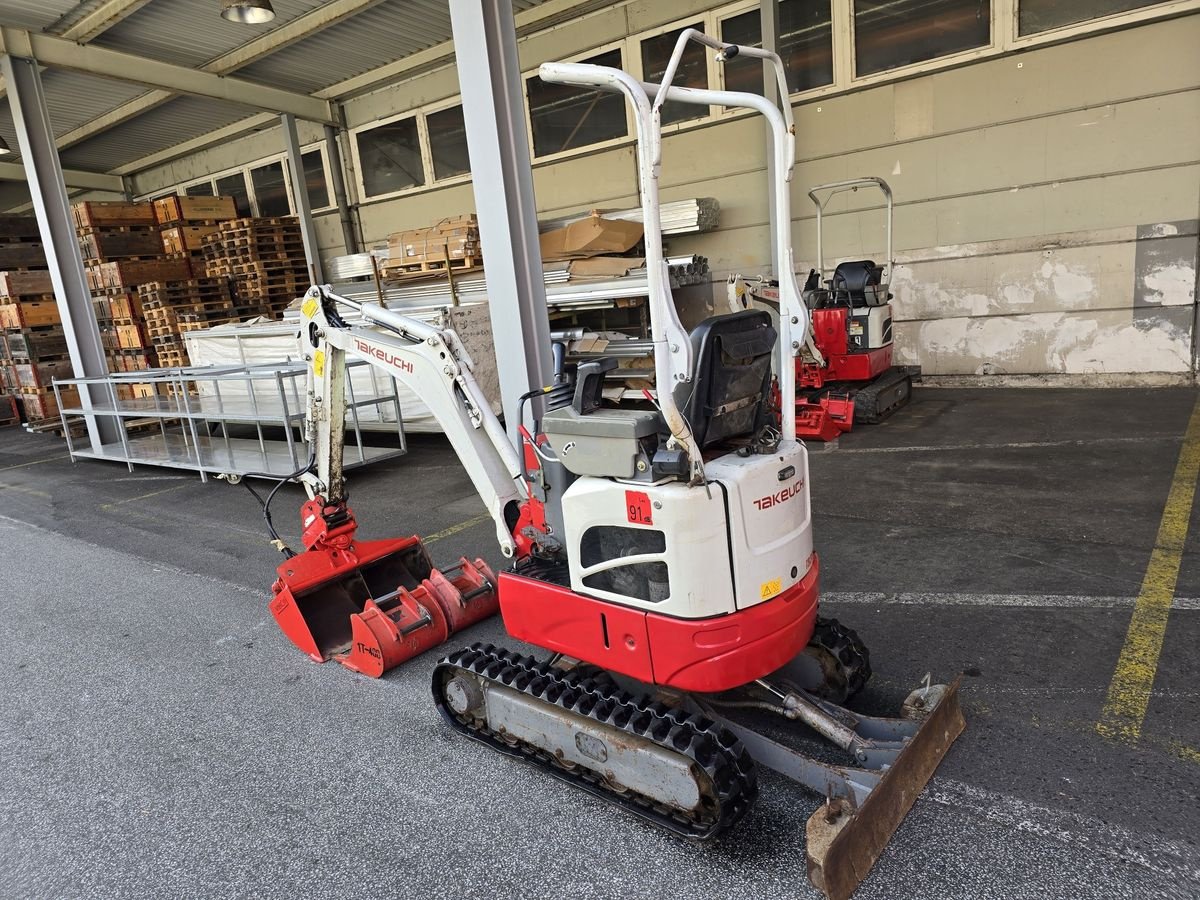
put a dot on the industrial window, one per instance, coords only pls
(805, 46)
(314, 178)
(270, 190)
(390, 157)
(202, 189)
(566, 118)
(448, 143)
(692, 71)
(1034, 16)
(893, 33)
(234, 186)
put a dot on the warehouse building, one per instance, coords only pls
(816, 538)
(1039, 228)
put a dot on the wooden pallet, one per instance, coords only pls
(426, 266)
(93, 213)
(26, 284)
(176, 210)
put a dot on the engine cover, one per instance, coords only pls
(694, 552)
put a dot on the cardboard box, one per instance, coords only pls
(592, 236)
(605, 266)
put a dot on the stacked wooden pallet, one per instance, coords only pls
(172, 308)
(121, 249)
(265, 259)
(452, 243)
(186, 221)
(33, 345)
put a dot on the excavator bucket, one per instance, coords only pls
(371, 605)
(844, 842)
(825, 419)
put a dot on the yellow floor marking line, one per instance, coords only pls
(455, 529)
(146, 496)
(1184, 752)
(35, 462)
(1129, 692)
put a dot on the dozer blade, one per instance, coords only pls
(843, 843)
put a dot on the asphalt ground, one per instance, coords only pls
(159, 736)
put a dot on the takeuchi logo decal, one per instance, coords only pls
(390, 358)
(780, 496)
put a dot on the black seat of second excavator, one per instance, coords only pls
(731, 376)
(851, 280)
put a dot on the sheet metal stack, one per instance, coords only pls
(693, 216)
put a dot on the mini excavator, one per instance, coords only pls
(844, 372)
(662, 555)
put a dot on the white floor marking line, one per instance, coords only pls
(1149, 851)
(1016, 445)
(1032, 601)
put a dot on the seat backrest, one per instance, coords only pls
(852, 278)
(731, 376)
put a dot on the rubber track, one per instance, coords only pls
(727, 793)
(845, 644)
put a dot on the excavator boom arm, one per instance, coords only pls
(433, 364)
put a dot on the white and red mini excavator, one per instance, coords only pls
(662, 555)
(844, 372)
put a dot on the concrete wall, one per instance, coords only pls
(1047, 201)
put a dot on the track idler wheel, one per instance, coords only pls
(844, 661)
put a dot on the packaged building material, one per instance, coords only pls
(592, 236)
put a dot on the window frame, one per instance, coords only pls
(422, 146)
(246, 168)
(737, 9)
(707, 18)
(427, 145)
(626, 138)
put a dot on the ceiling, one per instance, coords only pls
(191, 33)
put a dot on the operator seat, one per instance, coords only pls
(731, 376)
(857, 283)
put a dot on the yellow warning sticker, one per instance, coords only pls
(309, 308)
(769, 589)
(319, 363)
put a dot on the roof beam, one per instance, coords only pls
(100, 19)
(56, 52)
(529, 21)
(296, 30)
(74, 178)
(195, 145)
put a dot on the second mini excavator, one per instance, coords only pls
(663, 556)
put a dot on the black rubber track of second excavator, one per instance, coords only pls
(732, 780)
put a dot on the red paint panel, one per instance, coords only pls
(548, 615)
(708, 655)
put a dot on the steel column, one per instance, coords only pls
(43, 171)
(308, 231)
(769, 20)
(489, 76)
(333, 153)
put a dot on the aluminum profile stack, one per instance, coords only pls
(693, 216)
